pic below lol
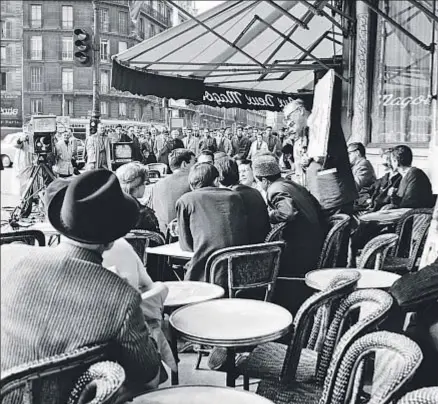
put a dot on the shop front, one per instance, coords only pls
(11, 114)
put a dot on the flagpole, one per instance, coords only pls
(96, 61)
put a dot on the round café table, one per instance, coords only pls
(319, 279)
(182, 293)
(200, 395)
(232, 324)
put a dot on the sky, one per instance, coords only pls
(204, 5)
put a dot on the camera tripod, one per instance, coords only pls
(41, 175)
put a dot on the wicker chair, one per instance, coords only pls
(139, 239)
(335, 242)
(344, 382)
(276, 233)
(51, 380)
(30, 237)
(160, 167)
(412, 230)
(427, 395)
(274, 360)
(172, 232)
(375, 251)
(250, 269)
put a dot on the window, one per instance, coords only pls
(104, 107)
(141, 28)
(3, 81)
(36, 47)
(123, 22)
(104, 50)
(6, 29)
(36, 73)
(68, 107)
(67, 48)
(3, 53)
(104, 19)
(122, 108)
(122, 46)
(35, 15)
(36, 106)
(402, 103)
(67, 17)
(104, 81)
(151, 30)
(67, 80)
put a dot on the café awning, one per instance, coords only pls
(254, 54)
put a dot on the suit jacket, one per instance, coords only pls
(257, 212)
(165, 194)
(415, 191)
(304, 234)
(224, 145)
(363, 173)
(97, 152)
(56, 300)
(241, 146)
(210, 219)
(64, 155)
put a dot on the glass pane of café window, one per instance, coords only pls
(402, 108)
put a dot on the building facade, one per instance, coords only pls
(11, 65)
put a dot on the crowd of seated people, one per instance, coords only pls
(224, 191)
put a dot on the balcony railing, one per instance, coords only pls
(36, 54)
(156, 15)
(36, 86)
(67, 55)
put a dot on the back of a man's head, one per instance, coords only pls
(228, 171)
(357, 146)
(206, 156)
(203, 175)
(403, 155)
(179, 156)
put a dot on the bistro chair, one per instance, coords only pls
(52, 380)
(160, 167)
(344, 381)
(268, 361)
(412, 230)
(172, 232)
(30, 237)
(140, 240)
(335, 243)
(276, 233)
(375, 251)
(250, 269)
(427, 395)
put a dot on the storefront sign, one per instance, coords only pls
(390, 100)
(245, 99)
(11, 115)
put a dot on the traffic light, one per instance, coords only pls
(93, 125)
(83, 51)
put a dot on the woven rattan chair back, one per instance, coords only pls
(154, 174)
(30, 237)
(337, 236)
(304, 319)
(374, 306)
(49, 380)
(172, 234)
(375, 251)
(409, 229)
(249, 268)
(160, 167)
(276, 233)
(427, 395)
(341, 384)
(140, 239)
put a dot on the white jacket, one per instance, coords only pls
(64, 154)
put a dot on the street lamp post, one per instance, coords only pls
(95, 114)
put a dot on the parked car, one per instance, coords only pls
(7, 149)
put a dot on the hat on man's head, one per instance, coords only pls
(92, 208)
(265, 166)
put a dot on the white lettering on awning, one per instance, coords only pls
(389, 100)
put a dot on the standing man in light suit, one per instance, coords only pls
(64, 155)
(97, 150)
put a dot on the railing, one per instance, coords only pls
(155, 14)
(36, 23)
(36, 86)
(104, 88)
(36, 54)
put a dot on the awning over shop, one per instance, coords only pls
(245, 54)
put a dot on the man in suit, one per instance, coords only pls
(363, 171)
(255, 207)
(291, 203)
(241, 144)
(168, 190)
(415, 189)
(55, 300)
(209, 218)
(97, 152)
